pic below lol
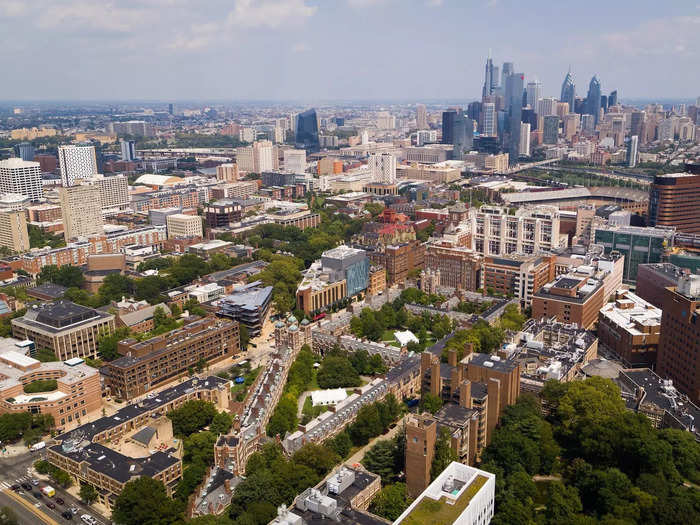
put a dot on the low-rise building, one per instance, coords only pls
(67, 329)
(520, 276)
(146, 365)
(570, 299)
(248, 304)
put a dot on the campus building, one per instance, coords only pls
(145, 365)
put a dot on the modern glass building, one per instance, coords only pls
(463, 138)
(448, 126)
(568, 91)
(306, 134)
(638, 245)
(593, 99)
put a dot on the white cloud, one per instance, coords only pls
(363, 3)
(433, 3)
(12, 7)
(268, 13)
(662, 36)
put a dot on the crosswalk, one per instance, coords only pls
(7, 484)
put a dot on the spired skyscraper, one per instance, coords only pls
(568, 91)
(593, 99)
(490, 80)
(306, 133)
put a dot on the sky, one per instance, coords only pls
(322, 50)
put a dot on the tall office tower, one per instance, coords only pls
(604, 103)
(383, 168)
(227, 172)
(448, 126)
(474, 111)
(13, 231)
(568, 91)
(489, 122)
(25, 151)
(587, 123)
(570, 125)
(23, 177)
(364, 137)
(463, 136)
(421, 117)
(495, 86)
(77, 162)
(637, 124)
(674, 200)
(550, 129)
(514, 107)
(524, 139)
(529, 116)
(489, 81)
(534, 93)
(632, 150)
(306, 131)
(295, 160)
(81, 208)
(128, 148)
(506, 71)
(612, 99)
(679, 342)
(593, 99)
(171, 109)
(547, 106)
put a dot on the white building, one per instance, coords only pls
(295, 160)
(385, 120)
(261, 156)
(524, 146)
(547, 106)
(22, 177)
(421, 117)
(114, 192)
(77, 162)
(81, 208)
(383, 168)
(207, 292)
(183, 226)
(534, 93)
(426, 136)
(632, 151)
(457, 487)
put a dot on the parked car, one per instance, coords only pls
(67, 515)
(51, 505)
(74, 510)
(35, 482)
(26, 486)
(60, 501)
(37, 495)
(15, 487)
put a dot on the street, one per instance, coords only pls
(17, 470)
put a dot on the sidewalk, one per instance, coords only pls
(360, 454)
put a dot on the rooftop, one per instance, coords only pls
(61, 315)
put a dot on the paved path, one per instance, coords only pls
(360, 454)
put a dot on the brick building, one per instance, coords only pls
(459, 267)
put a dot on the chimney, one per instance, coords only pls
(465, 394)
(227, 485)
(452, 357)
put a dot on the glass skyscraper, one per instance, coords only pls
(448, 126)
(514, 107)
(463, 138)
(306, 133)
(593, 99)
(568, 92)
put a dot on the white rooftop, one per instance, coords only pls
(405, 337)
(330, 396)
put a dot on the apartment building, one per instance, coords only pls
(68, 329)
(519, 276)
(81, 208)
(148, 364)
(181, 226)
(13, 231)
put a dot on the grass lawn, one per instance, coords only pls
(431, 512)
(388, 335)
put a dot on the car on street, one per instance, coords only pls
(26, 486)
(15, 487)
(67, 515)
(60, 501)
(35, 482)
(51, 505)
(37, 495)
(74, 510)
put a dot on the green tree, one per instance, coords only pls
(144, 501)
(191, 417)
(337, 372)
(381, 459)
(88, 494)
(108, 343)
(221, 423)
(444, 455)
(318, 458)
(563, 503)
(431, 403)
(244, 336)
(199, 447)
(115, 286)
(7, 516)
(341, 444)
(391, 501)
(68, 276)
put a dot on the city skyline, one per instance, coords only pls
(167, 49)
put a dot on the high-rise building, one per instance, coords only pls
(13, 231)
(568, 91)
(81, 208)
(674, 200)
(383, 168)
(77, 162)
(260, 157)
(534, 93)
(679, 343)
(550, 129)
(306, 131)
(25, 151)
(604, 103)
(137, 128)
(514, 106)
(421, 117)
(23, 177)
(612, 99)
(637, 124)
(588, 123)
(593, 99)
(448, 126)
(632, 151)
(524, 139)
(421, 434)
(463, 136)
(570, 125)
(128, 148)
(547, 106)
(489, 121)
(507, 70)
(227, 172)
(114, 192)
(295, 160)
(489, 81)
